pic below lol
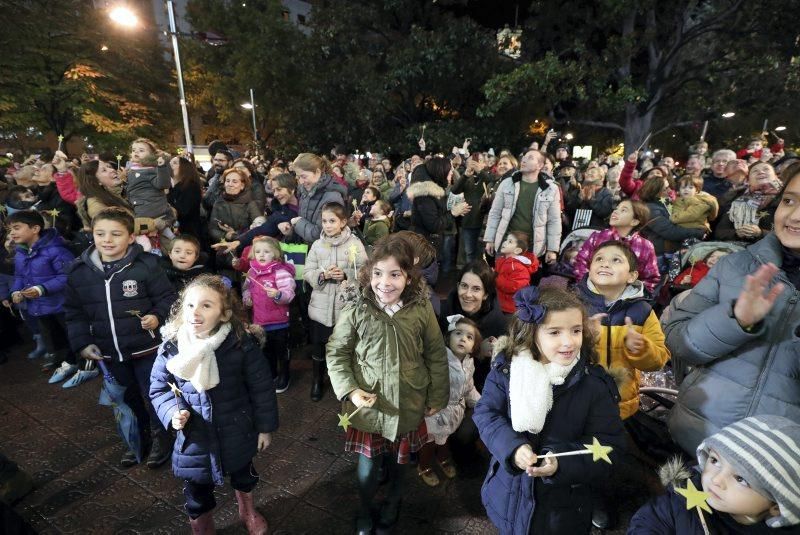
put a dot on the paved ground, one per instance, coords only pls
(69, 445)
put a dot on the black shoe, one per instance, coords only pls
(283, 379)
(390, 513)
(128, 460)
(602, 517)
(364, 525)
(316, 380)
(160, 452)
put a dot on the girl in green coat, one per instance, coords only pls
(386, 357)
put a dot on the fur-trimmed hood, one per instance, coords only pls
(425, 188)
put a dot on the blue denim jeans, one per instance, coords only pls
(470, 237)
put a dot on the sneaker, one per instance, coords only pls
(81, 376)
(129, 459)
(62, 372)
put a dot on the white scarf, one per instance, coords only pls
(531, 390)
(196, 361)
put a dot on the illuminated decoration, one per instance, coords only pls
(509, 42)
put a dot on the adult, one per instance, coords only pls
(715, 181)
(235, 209)
(694, 165)
(100, 188)
(400, 201)
(257, 188)
(221, 161)
(528, 201)
(748, 217)
(185, 195)
(738, 329)
(428, 199)
(56, 210)
(631, 186)
(476, 184)
(592, 196)
(665, 235)
(317, 188)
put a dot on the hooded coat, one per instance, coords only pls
(735, 373)
(513, 274)
(428, 210)
(402, 358)
(613, 355)
(309, 227)
(145, 191)
(44, 265)
(275, 275)
(221, 435)
(695, 212)
(585, 406)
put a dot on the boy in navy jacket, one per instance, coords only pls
(117, 296)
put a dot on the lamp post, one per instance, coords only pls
(125, 17)
(252, 107)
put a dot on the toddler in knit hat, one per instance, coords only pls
(750, 472)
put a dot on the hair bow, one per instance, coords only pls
(452, 321)
(528, 308)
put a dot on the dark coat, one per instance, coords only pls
(666, 235)
(601, 205)
(585, 406)
(221, 435)
(667, 515)
(98, 305)
(280, 213)
(67, 219)
(180, 278)
(428, 210)
(186, 198)
(44, 265)
(237, 212)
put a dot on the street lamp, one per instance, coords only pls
(125, 17)
(780, 128)
(569, 137)
(252, 107)
(728, 114)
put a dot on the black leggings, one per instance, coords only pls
(200, 496)
(276, 348)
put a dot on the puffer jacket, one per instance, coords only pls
(428, 210)
(146, 191)
(401, 358)
(695, 212)
(641, 247)
(585, 406)
(99, 306)
(613, 355)
(309, 227)
(546, 231)
(665, 235)
(44, 265)
(179, 278)
(221, 435)
(276, 275)
(237, 212)
(736, 373)
(463, 394)
(513, 274)
(325, 305)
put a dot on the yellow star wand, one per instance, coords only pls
(352, 251)
(54, 214)
(344, 418)
(696, 499)
(597, 450)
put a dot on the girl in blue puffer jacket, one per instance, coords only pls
(211, 382)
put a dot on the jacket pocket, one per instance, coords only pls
(415, 376)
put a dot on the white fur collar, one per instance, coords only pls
(531, 390)
(196, 361)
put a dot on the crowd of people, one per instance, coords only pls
(486, 306)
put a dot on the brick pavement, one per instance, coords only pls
(68, 443)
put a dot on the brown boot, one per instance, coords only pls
(256, 524)
(203, 524)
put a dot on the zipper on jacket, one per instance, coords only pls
(111, 313)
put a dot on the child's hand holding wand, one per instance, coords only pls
(361, 398)
(179, 419)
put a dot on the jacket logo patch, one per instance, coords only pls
(130, 288)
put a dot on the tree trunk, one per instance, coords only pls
(637, 126)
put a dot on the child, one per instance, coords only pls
(626, 220)
(386, 358)
(117, 296)
(147, 185)
(184, 262)
(544, 394)
(40, 278)
(694, 208)
(630, 338)
(748, 469)
(269, 289)
(330, 269)
(378, 224)
(19, 198)
(463, 345)
(226, 409)
(425, 258)
(696, 271)
(514, 267)
(562, 274)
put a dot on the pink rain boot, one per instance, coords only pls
(256, 524)
(203, 524)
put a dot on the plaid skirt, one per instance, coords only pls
(371, 445)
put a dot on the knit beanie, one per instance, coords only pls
(765, 450)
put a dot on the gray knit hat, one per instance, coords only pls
(765, 450)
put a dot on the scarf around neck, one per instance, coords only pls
(196, 361)
(531, 390)
(750, 206)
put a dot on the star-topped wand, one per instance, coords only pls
(352, 251)
(344, 418)
(597, 450)
(60, 141)
(176, 392)
(138, 314)
(54, 214)
(696, 499)
(119, 161)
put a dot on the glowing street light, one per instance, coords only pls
(104, 48)
(569, 137)
(247, 106)
(124, 17)
(780, 128)
(728, 114)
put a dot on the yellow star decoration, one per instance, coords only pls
(60, 138)
(694, 498)
(136, 313)
(175, 389)
(344, 421)
(54, 212)
(353, 250)
(599, 451)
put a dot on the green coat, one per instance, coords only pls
(403, 356)
(375, 230)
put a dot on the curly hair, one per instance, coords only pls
(400, 249)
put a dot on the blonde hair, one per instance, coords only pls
(272, 243)
(144, 141)
(307, 161)
(230, 303)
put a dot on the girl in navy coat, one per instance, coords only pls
(544, 394)
(211, 383)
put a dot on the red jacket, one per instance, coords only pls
(697, 273)
(513, 274)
